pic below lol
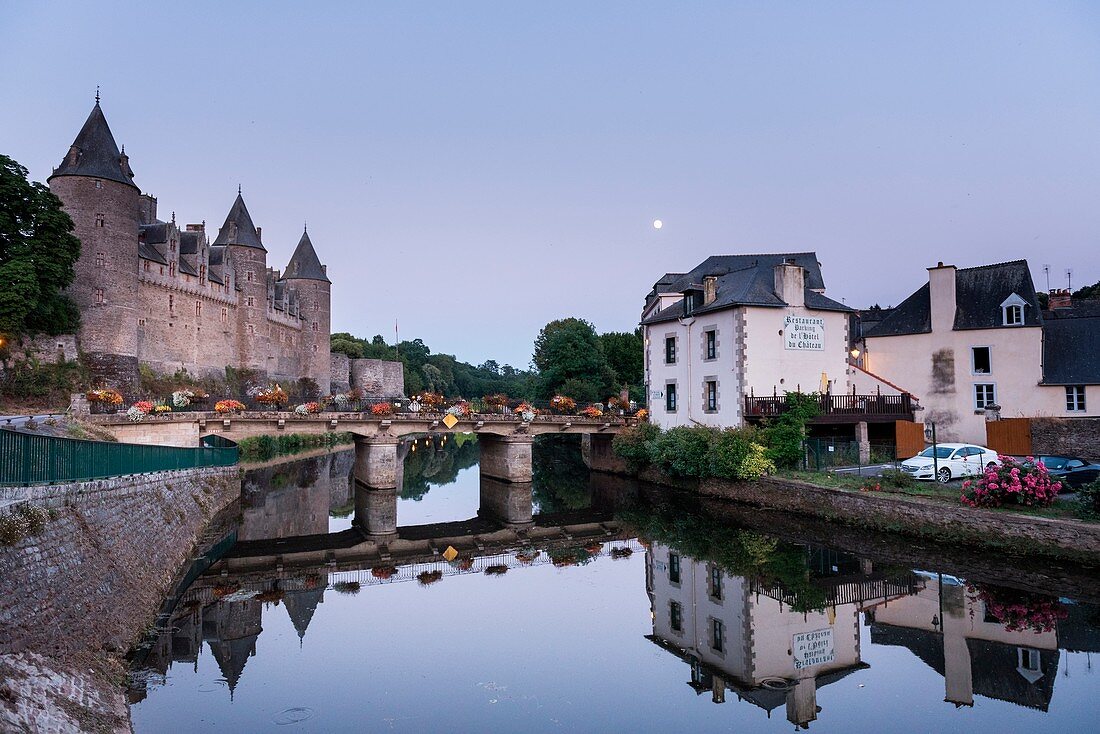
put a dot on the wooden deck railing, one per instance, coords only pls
(833, 407)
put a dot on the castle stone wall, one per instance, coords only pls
(340, 372)
(378, 378)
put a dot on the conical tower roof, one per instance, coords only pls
(301, 605)
(304, 263)
(238, 228)
(95, 154)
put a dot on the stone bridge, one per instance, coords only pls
(505, 440)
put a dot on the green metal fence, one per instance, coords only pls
(827, 454)
(29, 459)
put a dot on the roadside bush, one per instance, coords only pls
(1012, 483)
(684, 451)
(784, 436)
(896, 478)
(1088, 501)
(735, 454)
(635, 445)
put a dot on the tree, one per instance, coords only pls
(1089, 291)
(624, 356)
(37, 253)
(568, 350)
(345, 343)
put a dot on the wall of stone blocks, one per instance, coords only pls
(50, 349)
(340, 372)
(173, 333)
(378, 378)
(1067, 436)
(77, 595)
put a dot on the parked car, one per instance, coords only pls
(1071, 471)
(951, 461)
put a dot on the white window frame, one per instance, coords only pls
(1075, 399)
(1012, 305)
(991, 401)
(974, 361)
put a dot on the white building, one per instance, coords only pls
(740, 325)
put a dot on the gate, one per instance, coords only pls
(1009, 436)
(910, 438)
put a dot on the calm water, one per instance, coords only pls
(640, 611)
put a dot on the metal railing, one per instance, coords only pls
(900, 406)
(27, 459)
(828, 454)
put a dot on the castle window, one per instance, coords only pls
(198, 308)
(202, 273)
(316, 306)
(172, 269)
(251, 301)
(162, 270)
(99, 297)
(146, 265)
(99, 220)
(248, 276)
(315, 349)
(98, 184)
(225, 315)
(251, 329)
(141, 322)
(101, 259)
(171, 302)
(314, 326)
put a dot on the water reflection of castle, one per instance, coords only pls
(754, 641)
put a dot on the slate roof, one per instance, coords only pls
(744, 280)
(217, 255)
(304, 263)
(150, 252)
(1070, 349)
(187, 268)
(153, 234)
(94, 153)
(238, 228)
(979, 293)
(189, 243)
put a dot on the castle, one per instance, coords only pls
(153, 293)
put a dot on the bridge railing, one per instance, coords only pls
(26, 458)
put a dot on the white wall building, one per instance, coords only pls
(739, 325)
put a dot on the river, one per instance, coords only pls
(633, 609)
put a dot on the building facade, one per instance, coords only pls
(975, 344)
(152, 292)
(738, 326)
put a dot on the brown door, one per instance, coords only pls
(1010, 436)
(910, 438)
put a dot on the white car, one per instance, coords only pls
(951, 461)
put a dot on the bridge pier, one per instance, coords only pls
(598, 454)
(507, 458)
(376, 511)
(377, 464)
(507, 502)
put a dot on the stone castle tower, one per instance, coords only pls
(152, 293)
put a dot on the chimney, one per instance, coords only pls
(710, 288)
(941, 294)
(196, 227)
(1059, 298)
(790, 283)
(148, 207)
(324, 269)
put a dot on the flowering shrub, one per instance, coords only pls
(526, 410)
(228, 406)
(104, 395)
(383, 572)
(1014, 483)
(145, 406)
(459, 410)
(307, 408)
(1019, 610)
(273, 395)
(385, 408)
(158, 409)
(340, 400)
(616, 402)
(591, 412)
(425, 578)
(182, 398)
(642, 415)
(430, 400)
(563, 404)
(497, 400)
(139, 410)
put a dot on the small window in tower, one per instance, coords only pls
(314, 326)
(171, 302)
(198, 308)
(316, 307)
(141, 322)
(251, 329)
(98, 184)
(250, 301)
(202, 273)
(225, 315)
(248, 276)
(99, 297)
(172, 269)
(99, 220)
(101, 259)
(315, 349)
(146, 265)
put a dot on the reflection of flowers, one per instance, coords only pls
(463, 564)
(528, 556)
(622, 552)
(383, 572)
(228, 406)
(1019, 610)
(426, 578)
(347, 587)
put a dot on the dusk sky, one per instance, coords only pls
(478, 169)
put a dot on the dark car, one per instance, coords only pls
(1072, 472)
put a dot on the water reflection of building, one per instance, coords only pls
(754, 640)
(295, 498)
(953, 632)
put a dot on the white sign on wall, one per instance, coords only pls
(813, 648)
(804, 332)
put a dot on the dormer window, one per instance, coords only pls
(1012, 311)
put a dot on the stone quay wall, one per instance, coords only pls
(78, 594)
(1069, 436)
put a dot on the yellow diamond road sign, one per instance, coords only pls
(450, 421)
(450, 554)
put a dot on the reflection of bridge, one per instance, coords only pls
(505, 440)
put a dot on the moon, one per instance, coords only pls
(657, 224)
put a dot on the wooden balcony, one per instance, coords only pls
(846, 408)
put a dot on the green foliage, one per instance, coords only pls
(560, 479)
(684, 451)
(896, 478)
(344, 343)
(31, 382)
(1088, 501)
(784, 435)
(37, 255)
(568, 350)
(736, 454)
(635, 445)
(625, 357)
(263, 448)
(24, 520)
